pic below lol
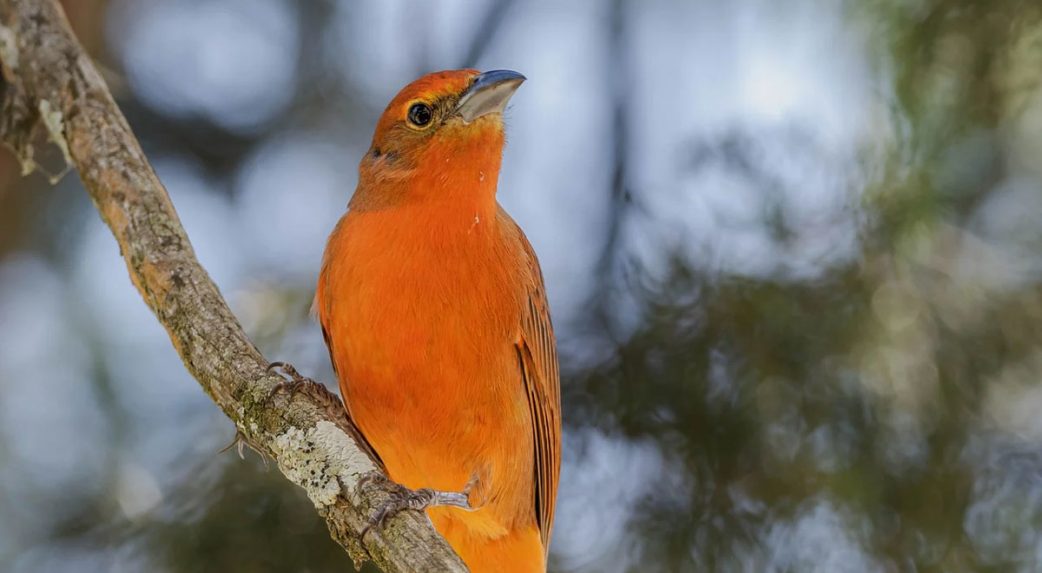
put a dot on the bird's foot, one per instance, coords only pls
(295, 382)
(419, 499)
(240, 442)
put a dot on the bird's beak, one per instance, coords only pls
(488, 93)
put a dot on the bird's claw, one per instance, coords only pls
(240, 442)
(418, 500)
(295, 383)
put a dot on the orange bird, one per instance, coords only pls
(432, 303)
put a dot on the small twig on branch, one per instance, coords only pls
(51, 89)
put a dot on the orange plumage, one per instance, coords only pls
(433, 306)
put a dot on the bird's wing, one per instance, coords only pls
(537, 353)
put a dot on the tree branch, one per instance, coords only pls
(51, 91)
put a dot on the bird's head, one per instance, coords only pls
(441, 129)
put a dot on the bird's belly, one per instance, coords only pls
(432, 378)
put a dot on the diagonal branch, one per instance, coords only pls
(51, 91)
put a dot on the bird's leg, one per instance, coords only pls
(296, 382)
(419, 499)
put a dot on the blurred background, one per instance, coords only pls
(792, 250)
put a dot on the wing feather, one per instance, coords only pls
(537, 353)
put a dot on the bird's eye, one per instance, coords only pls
(420, 114)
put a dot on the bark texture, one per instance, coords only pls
(52, 95)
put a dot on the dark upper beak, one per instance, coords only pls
(488, 93)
